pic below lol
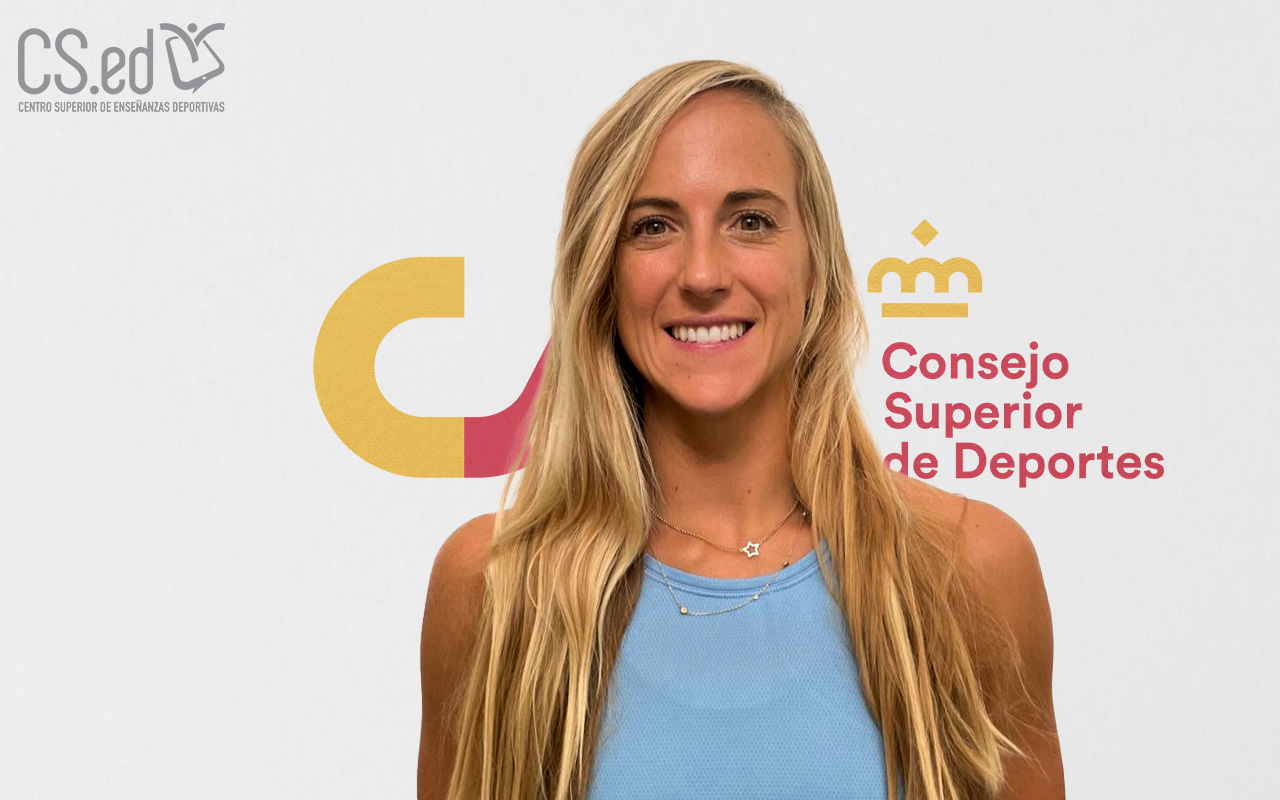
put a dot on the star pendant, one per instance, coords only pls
(752, 549)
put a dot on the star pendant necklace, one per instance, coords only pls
(755, 595)
(752, 549)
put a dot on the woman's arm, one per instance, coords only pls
(1002, 555)
(455, 593)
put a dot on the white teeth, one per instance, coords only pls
(718, 333)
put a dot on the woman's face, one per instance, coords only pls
(713, 237)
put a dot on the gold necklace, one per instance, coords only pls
(754, 596)
(752, 549)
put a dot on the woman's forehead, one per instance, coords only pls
(720, 141)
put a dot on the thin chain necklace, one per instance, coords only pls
(754, 597)
(752, 549)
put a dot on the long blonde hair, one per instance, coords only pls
(564, 567)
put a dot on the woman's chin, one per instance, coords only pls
(710, 406)
(705, 396)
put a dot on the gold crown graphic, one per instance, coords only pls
(941, 273)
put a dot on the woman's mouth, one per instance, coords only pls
(708, 338)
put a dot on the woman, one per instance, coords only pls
(709, 585)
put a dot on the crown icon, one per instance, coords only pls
(941, 272)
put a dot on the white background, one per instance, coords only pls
(204, 594)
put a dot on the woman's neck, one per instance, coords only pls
(727, 477)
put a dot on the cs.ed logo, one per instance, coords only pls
(192, 61)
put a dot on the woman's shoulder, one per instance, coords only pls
(1002, 557)
(462, 554)
(455, 593)
(455, 597)
(989, 540)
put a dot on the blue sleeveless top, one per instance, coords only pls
(760, 702)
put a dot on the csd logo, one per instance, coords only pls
(941, 273)
(365, 421)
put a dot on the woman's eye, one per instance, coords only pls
(649, 227)
(752, 222)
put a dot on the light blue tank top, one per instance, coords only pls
(761, 702)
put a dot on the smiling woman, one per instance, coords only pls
(652, 617)
(714, 239)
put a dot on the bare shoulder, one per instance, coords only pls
(1008, 570)
(455, 590)
(455, 597)
(991, 542)
(462, 554)
(1003, 559)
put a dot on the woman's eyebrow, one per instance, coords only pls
(659, 202)
(743, 195)
(738, 196)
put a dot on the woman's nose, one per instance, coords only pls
(706, 267)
